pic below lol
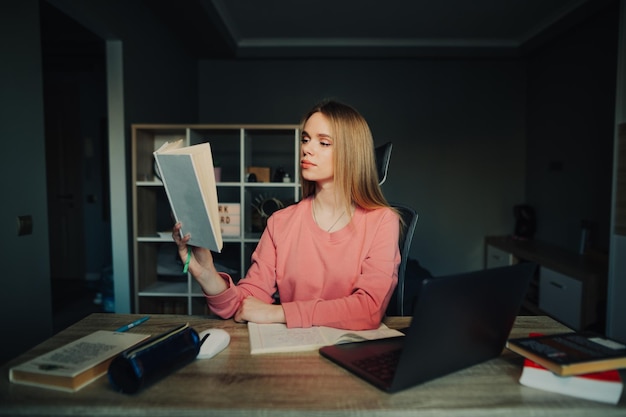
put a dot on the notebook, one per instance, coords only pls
(458, 321)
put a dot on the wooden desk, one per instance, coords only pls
(234, 383)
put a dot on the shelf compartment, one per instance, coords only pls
(199, 307)
(166, 288)
(225, 147)
(261, 202)
(163, 305)
(147, 140)
(271, 148)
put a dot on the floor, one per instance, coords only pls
(73, 300)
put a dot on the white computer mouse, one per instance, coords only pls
(216, 342)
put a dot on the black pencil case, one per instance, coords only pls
(157, 357)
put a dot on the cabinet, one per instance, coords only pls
(271, 152)
(561, 296)
(496, 257)
(568, 286)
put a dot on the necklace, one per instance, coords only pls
(332, 225)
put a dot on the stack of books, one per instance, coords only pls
(575, 364)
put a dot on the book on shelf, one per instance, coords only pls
(76, 364)
(189, 180)
(606, 386)
(571, 353)
(277, 338)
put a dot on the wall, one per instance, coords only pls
(571, 101)
(616, 308)
(25, 305)
(160, 79)
(458, 129)
(159, 86)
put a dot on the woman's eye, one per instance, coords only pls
(304, 140)
(325, 143)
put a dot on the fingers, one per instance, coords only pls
(255, 310)
(184, 252)
(180, 241)
(239, 317)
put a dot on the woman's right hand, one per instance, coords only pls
(201, 265)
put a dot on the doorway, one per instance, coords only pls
(74, 80)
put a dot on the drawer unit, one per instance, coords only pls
(568, 286)
(496, 257)
(561, 297)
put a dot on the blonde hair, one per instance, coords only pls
(355, 174)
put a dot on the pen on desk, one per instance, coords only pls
(133, 324)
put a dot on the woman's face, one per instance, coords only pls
(317, 150)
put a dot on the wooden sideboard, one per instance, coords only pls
(569, 286)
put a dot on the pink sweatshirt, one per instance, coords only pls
(341, 279)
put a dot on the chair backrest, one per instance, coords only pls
(383, 156)
(409, 217)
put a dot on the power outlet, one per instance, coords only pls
(24, 225)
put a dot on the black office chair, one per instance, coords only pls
(383, 156)
(409, 217)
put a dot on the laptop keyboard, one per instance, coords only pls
(382, 366)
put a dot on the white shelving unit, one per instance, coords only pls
(159, 286)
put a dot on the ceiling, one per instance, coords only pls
(366, 28)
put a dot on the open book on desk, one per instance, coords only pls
(275, 338)
(189, 180)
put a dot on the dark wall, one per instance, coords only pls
(25, 305)
(160, 78)
(160, 86)
(571, 112)
(472, 137)
(457, 125)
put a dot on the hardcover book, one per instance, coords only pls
(274, 338)
(76, 364)
(189, 179)
(571, 353)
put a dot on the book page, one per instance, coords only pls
(267, 338)
(86, 352)
(337, 336)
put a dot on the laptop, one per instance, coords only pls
(458, 321)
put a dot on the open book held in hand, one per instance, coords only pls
(275, 338)
(571, 353)
(76, 364)
(189, 180)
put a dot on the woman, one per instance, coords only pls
(333, 257)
